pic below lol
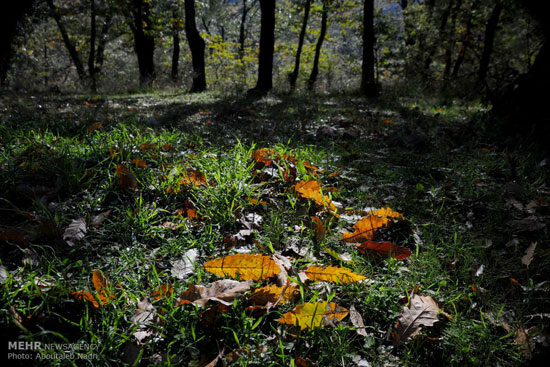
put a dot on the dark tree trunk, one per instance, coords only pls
(75, 57)
(451, 41)
(442, 26)
(144, 43)
(466, 40)
(294, 76)
(91, 56)
(267, 46)
(490, 30)
(524, 104)
(196, 44)
(175, 47)
(9, 19)
(368, 85)
(100, 54)
(242, 28)
(322, 34)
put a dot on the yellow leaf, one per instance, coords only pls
(311, 190)
(365, 228)
(248, 266)
(312, 315)
(386, 212)
(272, 293)
(332, 274)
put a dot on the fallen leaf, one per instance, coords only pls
(263, 157)
(318, 229)
(386, 249)
(272, 294)
(163, 291)
(529, 254)
(75, 231)
(181, 269)
(364, 229)
(143, 318)
(126, 179)
(222, 291)
(100, 285)
(316, 314)
(140, 163)
(93, 127)
(310, 189)
(386, 212)
(332, 274)
(357, 321)
(248, 266)
(423, 311)
(100, 218)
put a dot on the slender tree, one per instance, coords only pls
(466, 41)
(267, 47)
(175, 45)
(451, 40)
(144, 42)
(197, 46)
(442, 27)
(91, 55)
(488, 41)
(368, 84)
(322, 34)
(294, 76)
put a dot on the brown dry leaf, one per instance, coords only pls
(529, 254)
(93, 127)
(385, 249)
(310, 189)
(422, 311)
(126, 179)
(75, 231)
(248, 266)
(223, 291)
(147, 147)
(100, 218)
(365, 228)
(143, 317)
(316, 314)
(193, 177)
(357, 321)
(332, 274)
(139, 163)
(319, 229)
(272, 294)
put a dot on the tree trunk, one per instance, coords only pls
(196, 44)
(466, 40)
(175, 47)
(294, 76)
(100, 53)
(91, 56)
(75, 57)
(267, 46)
(451, 41)
(490, 30)
(442, 26)
(144, 43)
(9, 18)
(322, 34)
(368, 85)
(242, 30)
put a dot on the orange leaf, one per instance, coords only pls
(99, 282)
(365, 228)
(248, 266)
(167, 147)
(126, 179)
(163, 291)
(100, 285)
(318, 229)
(272, 293)
(140, 163)
(311, 190)
(332, 274)
(255, 201)
(312, 315)
(262, 157)
(386, 212)
(386, 249)
(193, 177)
(147, 147)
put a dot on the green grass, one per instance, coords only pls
(451, 190)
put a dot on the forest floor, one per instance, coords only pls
(110, 207)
